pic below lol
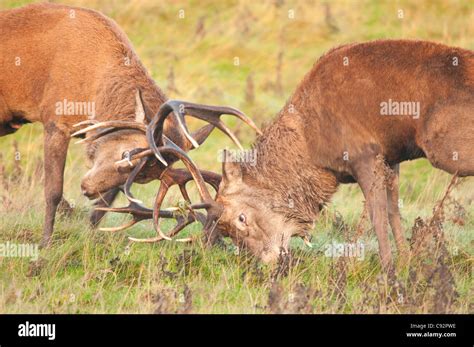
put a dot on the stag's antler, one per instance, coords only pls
(139, 213)
(207, 113)
(160, 144)
(169, 178)
(199, 135)
(111, 124)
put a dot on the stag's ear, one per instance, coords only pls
(231, 170)
(139, 108)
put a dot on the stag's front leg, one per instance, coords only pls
(372, 182)
(56, 142)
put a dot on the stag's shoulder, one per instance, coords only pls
(432, 58)
(336, 51)
(394, 49)
(50, 13)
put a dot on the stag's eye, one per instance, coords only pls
(126, 155)
(242, 218)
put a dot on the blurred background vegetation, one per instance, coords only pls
(250, 55)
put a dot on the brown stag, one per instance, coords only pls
(390, 100)
(361, 110)
(61, 65)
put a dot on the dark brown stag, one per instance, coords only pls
(80, 67)
(361, 104)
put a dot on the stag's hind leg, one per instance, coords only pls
(394, 216)
(448, 139)
(372, 182)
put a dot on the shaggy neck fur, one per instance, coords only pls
(116, 93)
(283, 167)
(118, 85)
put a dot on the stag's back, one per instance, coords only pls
(51, 53)
(340, 99)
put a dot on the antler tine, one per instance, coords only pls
(181, 177)
(138, 212)
(158, 121)
(207, 113)
(128, 184)
(86, 122)
(117, 124)
(99, 134)
(120, 227)
(171, 148)
(162, 191)
(200, 135)
(134, 158)
(212, 114)
(182, 223)
(141, 104)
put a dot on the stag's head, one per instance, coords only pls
(110, 142)
(252, 214)
(104, 174)
(112, 146)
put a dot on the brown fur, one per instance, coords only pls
(336, 111)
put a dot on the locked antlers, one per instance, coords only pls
(161, 146)
(180, 178)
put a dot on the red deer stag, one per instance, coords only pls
(391, 100)
(61, 65)
(361, 110)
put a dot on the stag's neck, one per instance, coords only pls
(116, 93)
(284, 166)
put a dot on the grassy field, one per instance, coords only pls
(275, 43)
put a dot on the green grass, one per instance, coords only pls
(92, 271)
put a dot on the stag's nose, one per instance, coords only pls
(86, 191)
(271, 254)
(269, 257)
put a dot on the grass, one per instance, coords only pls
(91, 271)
